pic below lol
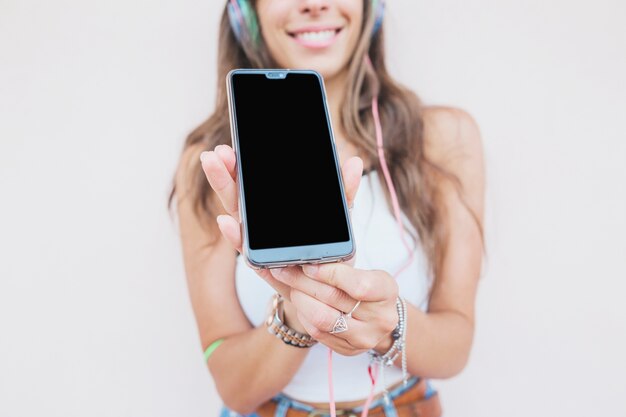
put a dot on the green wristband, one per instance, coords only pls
(211, 348)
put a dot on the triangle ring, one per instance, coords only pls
(341, 325)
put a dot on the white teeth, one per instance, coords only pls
(316, 36)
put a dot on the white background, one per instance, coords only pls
(96, 98)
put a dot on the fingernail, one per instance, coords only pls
(277, 272)
(220, 219)
(310, 270)
(204, 155)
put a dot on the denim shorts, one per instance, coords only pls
(285, 402)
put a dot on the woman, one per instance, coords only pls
(434, 157)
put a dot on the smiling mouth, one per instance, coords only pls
(315, 36)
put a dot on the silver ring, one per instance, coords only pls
(354, 308)
(341, 324)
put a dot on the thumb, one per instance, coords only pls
(351, 171)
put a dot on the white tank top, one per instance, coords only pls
(378, 246)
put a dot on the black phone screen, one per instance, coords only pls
(290, 181)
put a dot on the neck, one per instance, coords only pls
(335, 91)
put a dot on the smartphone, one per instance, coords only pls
(291, 198)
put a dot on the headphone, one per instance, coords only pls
(245, 25)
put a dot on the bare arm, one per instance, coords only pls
(439, 341)
(251, 365)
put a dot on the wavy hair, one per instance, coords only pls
(414, 175)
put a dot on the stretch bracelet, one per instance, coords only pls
(398, 347)
(212, 348)
(405, 376)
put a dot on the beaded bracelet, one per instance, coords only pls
(398, 347)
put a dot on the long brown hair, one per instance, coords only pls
(414, 175)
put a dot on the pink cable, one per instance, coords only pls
(396, 212)
(392, 190)
(373, 377)
(330, 383)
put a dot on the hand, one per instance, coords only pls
(220, 171)
(321, 292)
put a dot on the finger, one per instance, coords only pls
(321, 319)
(282, 289)
(351, 171)
(227, 155)
(338, 345)
(231, 230)
(360, 284)
(350, 261)
(327, 294)
(221, 181)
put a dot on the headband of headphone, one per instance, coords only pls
(244, 23)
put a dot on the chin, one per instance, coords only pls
(326, 69)
(328, 73)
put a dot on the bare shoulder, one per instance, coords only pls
(449, 131)
(452, 140)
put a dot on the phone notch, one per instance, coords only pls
(296, 233)
(276, 75)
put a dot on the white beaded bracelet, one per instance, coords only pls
(398, 347)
